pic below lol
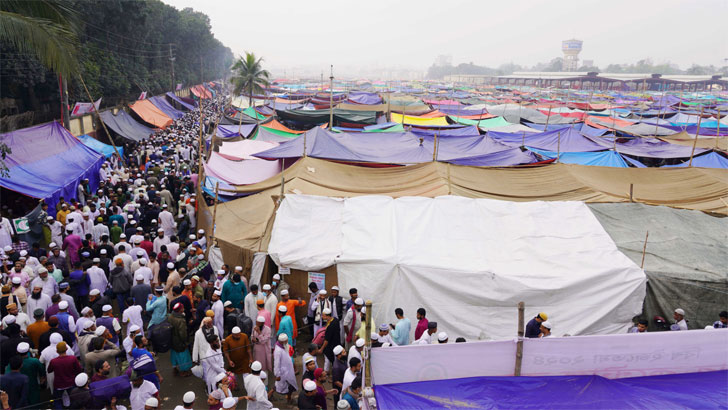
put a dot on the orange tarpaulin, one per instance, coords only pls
(433, 114)
(274, 124)
(606, 122)
(151, 114)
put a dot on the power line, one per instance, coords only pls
(134, 49)
(121, 36)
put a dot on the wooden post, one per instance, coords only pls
(546, 128)
(697, 132)
(199, 154)
(214, 217)
(100, 120)
(558, 147)
(717, 130)
(644, 250)
(631, 192)
(434, 149)
(331, 98)
(368, 344)
(519, 344)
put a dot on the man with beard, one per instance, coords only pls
(213, 363)
(103, 350)
(38, 300)
(238, 352)
(102, 369)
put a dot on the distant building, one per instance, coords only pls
(571, 49)
(587, 63)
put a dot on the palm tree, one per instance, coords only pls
(44, 28)
(249, 76)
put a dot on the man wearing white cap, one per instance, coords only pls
(50, 353)
(97, 276)
(87, 224)
(166, 221)
(80, 395)
(100, 229)
(32, 368)
(218, 308)
(173, 279)
(384, 336)
(144, 270)
(65, 320)
(141, 391)
(306, 399)
(229, 403)
(271, 301)
(680, 322)
(37, 300)
(152, 403)
(352, 321)
(283, 368)
(21, 318)
(47, 282)
(255, 388)
(110, 322)
(212, 362)
(161, 239)
(442, 337)
(140, 292)
(56, 230)
(357, 349)
(318, 305)
(128, 342)
(279, 285)
(220, 279)
(202, 239)
(239, 271)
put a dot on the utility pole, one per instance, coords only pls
(331, 98)
(171, 62)
(201, 76)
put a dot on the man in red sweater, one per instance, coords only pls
(65, 368)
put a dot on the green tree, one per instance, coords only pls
(249, 76)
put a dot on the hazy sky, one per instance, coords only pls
(410, 34)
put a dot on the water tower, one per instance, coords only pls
(571, 49)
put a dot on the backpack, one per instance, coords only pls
(161, 337)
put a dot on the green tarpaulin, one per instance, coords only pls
(482, 124)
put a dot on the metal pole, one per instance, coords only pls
(331, 98)
(697, 132)
(519, 344)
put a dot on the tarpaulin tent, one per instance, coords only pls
(265, 134)
(126, 126)
(449, 132)
(696, 391)
(243, 172)
(180, 101)
(316, 117)
(151, 114)
(98, 146)
(229, 131)
(167, 108)
(364, 98)
(274, 125)
(685, 139)
(413, 120)
(685, 260)
(512, 156)
(561, 140)
(709, 160)
(396, 249)
(600, 159)
(47, 162)
(239, 150)
(648, 147)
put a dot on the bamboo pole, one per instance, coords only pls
(717, 130)
(519, 344)
(546, 128)
(214, 223)
(331, 98)
(697, 132)
(644, 250)
(88, 94)
(368, 336)
(434, 149)
(558, 147)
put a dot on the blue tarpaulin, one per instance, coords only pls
(706, 390)
(179, 101)
(600, 159)
(710, 160)
(47, 162)
(166, 107)
(100, 147)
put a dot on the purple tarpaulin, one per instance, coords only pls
(182, 101)
(47, 162)
(710, 160)
(249, 171)
(648, 147)
(231, 131)
(561, 140)
(166, 107)
(364, 98)
(683, 391)
(470, 130)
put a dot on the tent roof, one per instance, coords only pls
(648, 147)
(151, 114)
(46, 162)
(560, 140)
(126, 126)
(180, 101)
(100, 147)
(709, 160)
(242, 172)
(601, 159)
(230, 131)
(167, 108)
(413, 120)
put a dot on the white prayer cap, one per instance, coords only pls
(386, 344)
(364, 309)
(85, 310)
(139, 276)
(236, 330)
(50, 218)
(98, 260)
(309, 385)
(106, 308)
(189, 397)
(359, 301)
(63, 305)
(276, 277)
(383, 327)
(338, 349)
(334, 288)
(160, 230)
(201, 231)
(256, 366)
(187, 282)
(284, 292)
(164, 205)
(322, 292)
(220, 376)
(263, 376)
(8, 248)
(260, 319)
(152, 402)
(221, 271)
(10, 319)
(360, 342)
(282, 308)
(23, 347)
(282, 337)
(201, 256)
(239, 268)
(100, 331)
(265, 287)
(140, 253)
(16, 280)
(132, 222)
(343, 405)
(170, 265)
(81, 379)
(192, 237)
(327, 311)
(23, 253)
(442, 336)
(709, 327)
(87, 324)
(228, 303)
(217, 292)
(143, 261)
(55, 338)
(50, 245)
(375, 336)
(230, 402)
(546, 324)
(134, 328)
(680, 312)
(122, 236)
(94, 292)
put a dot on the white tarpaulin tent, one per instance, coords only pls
(467, 261)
